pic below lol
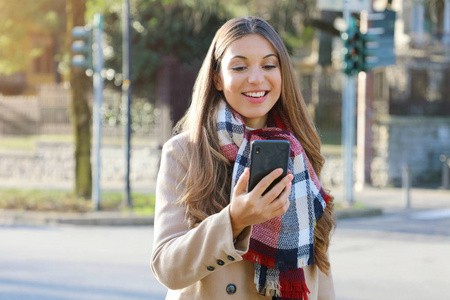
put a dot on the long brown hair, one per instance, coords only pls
(209, 176)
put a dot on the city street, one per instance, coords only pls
(52, 263)
(394, 256)
(400, 257)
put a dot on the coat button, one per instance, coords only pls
(210, 268)
(230, 258)
(220, 262)
(231, 289)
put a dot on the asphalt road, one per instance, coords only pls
(396, 256)
(90, 263)
(399, 256)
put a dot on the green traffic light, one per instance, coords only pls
(353, 50)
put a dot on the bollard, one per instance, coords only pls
(406, 183)
(445, 171)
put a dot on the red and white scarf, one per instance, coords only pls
(281, 246)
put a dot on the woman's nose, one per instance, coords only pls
(255, 76)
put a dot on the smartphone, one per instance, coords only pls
(266, 156)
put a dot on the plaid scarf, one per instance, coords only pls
(279, 247)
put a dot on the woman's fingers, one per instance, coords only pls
(275, 192)
(253, 208)
(241, 185)
(267, 181)
(281, 204)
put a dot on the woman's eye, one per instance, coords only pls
(238, 68)
(269, 67)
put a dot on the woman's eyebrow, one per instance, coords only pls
(243, 57)
(271, 54)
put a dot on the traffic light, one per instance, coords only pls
(353, 59)
(82, 47)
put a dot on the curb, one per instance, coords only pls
(357, 213)
(30, 218)
(80, 219)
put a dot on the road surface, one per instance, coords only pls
(394, 256)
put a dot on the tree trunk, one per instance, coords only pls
(80, 112)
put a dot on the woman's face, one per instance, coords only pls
(250, 78)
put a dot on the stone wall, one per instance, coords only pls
(414, 141)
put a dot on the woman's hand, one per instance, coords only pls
(254, 208)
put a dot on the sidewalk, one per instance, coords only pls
(31, 218)
(374, 202)
(393, 200)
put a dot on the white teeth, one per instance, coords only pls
(255, 95)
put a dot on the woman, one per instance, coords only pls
(213, 238)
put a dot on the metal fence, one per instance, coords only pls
(48, 113)
(321, 91)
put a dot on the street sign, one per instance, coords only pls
(338, 5)
(379, 39)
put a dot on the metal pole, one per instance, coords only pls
(406, 185)
(126, 98)
(446, 29)
(348, 122)
(98, 100)
(361, 131)
(445, 171)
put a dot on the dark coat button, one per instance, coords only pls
(220, 262)
(231, 289)
(230, 258)
(210, 268)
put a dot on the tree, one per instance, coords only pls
(180, 28)
(18, 19)
(80, 112)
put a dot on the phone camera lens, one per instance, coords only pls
(257, 150)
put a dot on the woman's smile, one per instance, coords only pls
(256, 96)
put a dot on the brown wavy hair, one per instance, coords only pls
(208, 179)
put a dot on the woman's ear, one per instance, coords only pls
(217, 81)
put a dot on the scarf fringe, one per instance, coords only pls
(271, 288)
(292, 290)
(260, 259)
(267, 261)
(295, 290)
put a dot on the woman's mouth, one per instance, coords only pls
(256, 97)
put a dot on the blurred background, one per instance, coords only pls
(46, 104)
(48, 142)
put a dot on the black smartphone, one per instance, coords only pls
(266, 156)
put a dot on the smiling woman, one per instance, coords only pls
(250, 78)
(213, 237)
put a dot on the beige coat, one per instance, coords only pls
(204, 263)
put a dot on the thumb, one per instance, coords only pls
(241, 185)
